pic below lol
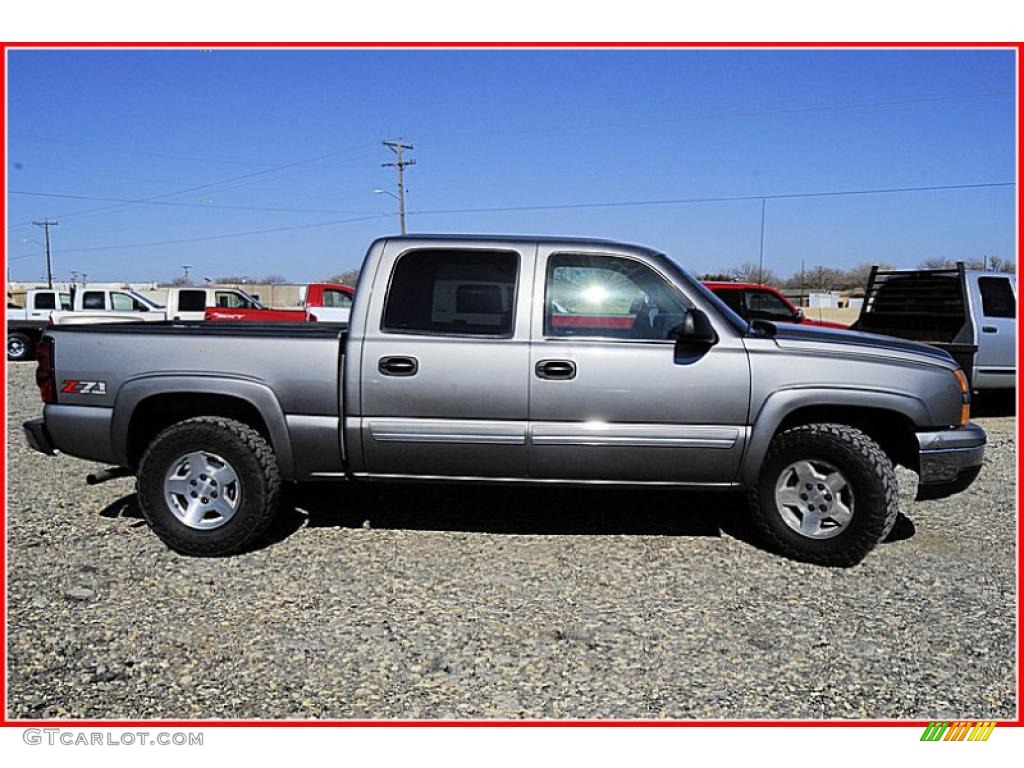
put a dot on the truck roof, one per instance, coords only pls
(515, 239)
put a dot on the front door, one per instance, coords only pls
(444, 363)
(609, 397)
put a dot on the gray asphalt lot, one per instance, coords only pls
(457, 602)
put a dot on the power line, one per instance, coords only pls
(33, 193)
(75, 214)
(727, 114)
(718, 199)
(400, 164)
(561, 206)
(221, 236)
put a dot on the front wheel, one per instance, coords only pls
(19, 347)
(209, 486)
(827, 494)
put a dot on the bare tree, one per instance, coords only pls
(345, 278)
(820, 277)
(749, 272)
(857, 276)
(271, 280)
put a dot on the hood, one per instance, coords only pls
(858, 342)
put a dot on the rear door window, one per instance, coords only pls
(453, 292)
(45, 301)
(191, 301)
(93, 300)
(997, 299)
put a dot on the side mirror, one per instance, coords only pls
(694, 331)
(799, 315)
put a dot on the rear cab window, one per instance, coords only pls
(453, 292)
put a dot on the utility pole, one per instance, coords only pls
(186, 268)
(46, 224)
(400, 163)
(760, 259)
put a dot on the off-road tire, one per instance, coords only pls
(258, 473)
(24, 349)
(868, 470)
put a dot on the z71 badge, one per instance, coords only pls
(76, 387)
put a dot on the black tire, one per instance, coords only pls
(258, 476)
(871, 478)
(20, 347)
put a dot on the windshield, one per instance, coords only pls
(724, 309)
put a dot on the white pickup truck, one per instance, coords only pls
(82, 305)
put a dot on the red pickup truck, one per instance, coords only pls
(752, 301)
(324, 302)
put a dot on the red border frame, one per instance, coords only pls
(5, 722)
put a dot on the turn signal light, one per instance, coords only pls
(962, 379)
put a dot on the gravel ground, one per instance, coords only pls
(439, 602)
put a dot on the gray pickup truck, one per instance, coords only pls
(510, 360)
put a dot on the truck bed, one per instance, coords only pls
(298, 362)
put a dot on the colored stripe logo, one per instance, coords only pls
(959, 730)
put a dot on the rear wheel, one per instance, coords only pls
(19, 347)
(827, 494)
(209, 486)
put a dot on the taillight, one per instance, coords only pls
(44, 370)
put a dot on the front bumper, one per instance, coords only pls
(37, 437)
(949, 460)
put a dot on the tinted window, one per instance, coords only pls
(191, 301)
(92, 300)
(591, 295)
(45, 301)
(765, 305)
(453, 292)
(337, 299)
(997, 298)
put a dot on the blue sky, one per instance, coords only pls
(218, 133)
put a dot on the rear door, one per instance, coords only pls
(609, 397)
(996, 297)
(188, 304)
(41, 305)
(444, 362)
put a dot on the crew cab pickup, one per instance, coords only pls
(323, 302)
(755, 301)
(454, 368)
